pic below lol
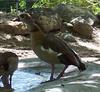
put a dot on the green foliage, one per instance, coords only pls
(22, 4)
(47, 3)
(13, 11)
(42, 3)
(93, 5)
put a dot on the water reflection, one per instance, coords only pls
(23, 81)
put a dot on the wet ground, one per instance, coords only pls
(87, 81)
(30, 74)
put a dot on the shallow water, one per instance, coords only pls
(26, 77)
(87, 81)
(31, 73)
(23, 81)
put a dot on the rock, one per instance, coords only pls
(67, 36)
(80, 27)
(83, 29)
(15, 28)
(11, 41)
(80, 19)
(68, 12)
(7, 25)
(97, 23)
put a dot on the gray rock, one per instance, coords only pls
(68, 12)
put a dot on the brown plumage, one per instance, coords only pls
(50, 48)
(8, 65)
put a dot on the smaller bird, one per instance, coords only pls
(51, 48)
(8, 65)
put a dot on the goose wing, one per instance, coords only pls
(64, 52)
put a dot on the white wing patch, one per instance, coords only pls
(42, 48)
(49, 50)
(59, 54)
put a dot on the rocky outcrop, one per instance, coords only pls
(80, 27)
(83, 29)
(68, 12)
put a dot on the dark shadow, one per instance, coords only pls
(2, 89)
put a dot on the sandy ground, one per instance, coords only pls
(22, 54)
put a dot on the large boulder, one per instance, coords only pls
(83, 29)
(80, 27)
(68, 12)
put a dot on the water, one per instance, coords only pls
(31, 73)
(23, 81)
(87, 81)
(28, 75)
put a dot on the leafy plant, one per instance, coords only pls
(93, 5)
(22, 4)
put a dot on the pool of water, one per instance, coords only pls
(23, 81)
(31, 73)
(28, 75)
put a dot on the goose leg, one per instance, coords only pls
(62, 73)
(10, 80)
(52, 72)
(5, 81)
